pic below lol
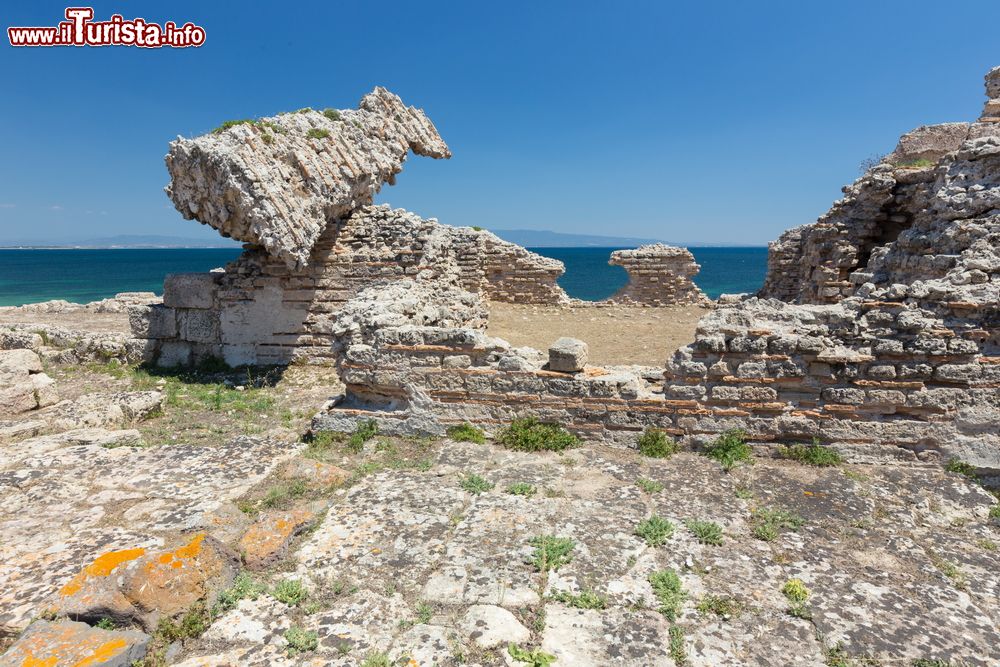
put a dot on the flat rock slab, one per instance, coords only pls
(65, 500)
(71, 643)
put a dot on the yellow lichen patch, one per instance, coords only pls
(102, 566)
(103, 653)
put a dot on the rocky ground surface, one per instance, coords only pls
(157, 518)
(616, 335)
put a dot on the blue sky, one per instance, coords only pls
(709, 122)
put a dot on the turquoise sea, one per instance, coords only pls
(27, 276)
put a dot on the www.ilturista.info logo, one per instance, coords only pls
(80, 30)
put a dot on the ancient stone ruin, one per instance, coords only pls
(658, 275)
(875, 331)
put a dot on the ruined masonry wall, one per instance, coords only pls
(261, 311)
(658, 275)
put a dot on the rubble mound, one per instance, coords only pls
(276, 182)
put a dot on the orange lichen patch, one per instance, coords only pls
(102, 566)
(268, 538)
(103, 653)
(189, 550)
(32, 661)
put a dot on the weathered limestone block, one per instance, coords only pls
(277, 182)
(190, 290)
(658, 275)
(991, 112)
(267, 540)
(568, 355)
(72, 643)
(23, 385)
(153, 321)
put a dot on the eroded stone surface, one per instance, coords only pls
(71, 643)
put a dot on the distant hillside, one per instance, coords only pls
(543, 239)
(129, 241)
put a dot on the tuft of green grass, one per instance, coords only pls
(814, 455)
(669, 592)
(244, 587)
(706, 532)
(743, 493)
(534, 658)
(987, 545)
(363, 432)
(922, 163)
(678, 653)
(466, 433)
(522, 489)
(318, 133)
(648, 485)
(106, 624)
(290, 591)
(530, 435)
(584, 600)
(730, 449)
(719, 605)
(282, 494)
(300, 641)
(995, 512)
(477, 228)
(232, 123)
(655, 444)
(768, 523)
(795, 590)
(332, 114)
(267, 138)
(551, 552)
(475, 484)
(655, 530)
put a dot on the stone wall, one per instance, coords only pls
(658, 275)
(259, 310)
(899, 360)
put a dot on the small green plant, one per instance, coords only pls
(475, 484)
(477, 228)
(950, 570)
(551, 552)
(531, 435)
(244, 587)
(192, 625)
(318, 133)
(678, 653)
(304, 110)
(795, 590)
(706, 532)
(522, 489)
(232, 123)
(290, 591)
(962, 468)
(466, 433)
(668, 591)
(743, 493)
(987, 545)
(534, 658)
(995, 512)
(768, 523)
(267, 138)
(719, 605)
(300, 641)
(648, 485)
(655, 530)
(332, 114)
(363, 432)
(654, 443)
(584, 600)
(730, 449)
(814, 455)
(106, 624)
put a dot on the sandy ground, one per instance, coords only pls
(615, 335)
